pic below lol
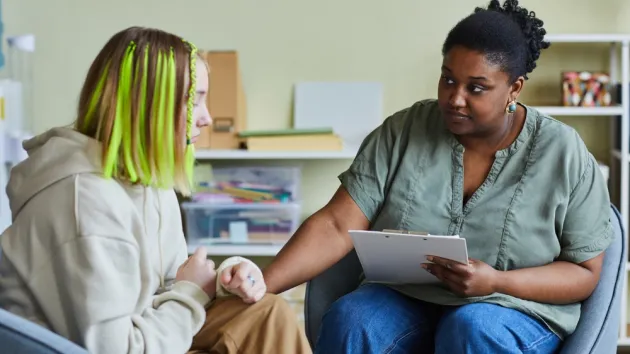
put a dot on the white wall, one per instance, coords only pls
(283, 41)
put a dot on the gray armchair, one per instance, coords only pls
(597, 331)
(19, 336)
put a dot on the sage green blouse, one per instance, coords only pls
(544, 199)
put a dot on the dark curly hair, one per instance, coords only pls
(509, 36)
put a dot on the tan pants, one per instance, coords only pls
(268, 326)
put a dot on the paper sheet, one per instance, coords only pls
(352, 109)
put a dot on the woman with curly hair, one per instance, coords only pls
(519, 186)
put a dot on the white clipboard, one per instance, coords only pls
(395, 257)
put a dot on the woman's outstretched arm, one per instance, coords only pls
(320, 242)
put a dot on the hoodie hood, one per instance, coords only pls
(52, 156)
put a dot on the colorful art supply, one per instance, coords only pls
(586, 89)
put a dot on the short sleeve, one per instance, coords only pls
(367, 177)
(587, 229)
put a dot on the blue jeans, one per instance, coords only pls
(378, 319)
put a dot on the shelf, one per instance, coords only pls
(624, 342)
(246, 250)
(273, 155)
(580, 111)
(619, 68)
(616, 153)
(587, 38)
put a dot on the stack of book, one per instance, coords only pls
(323, 139)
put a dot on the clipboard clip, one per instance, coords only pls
(406, 232)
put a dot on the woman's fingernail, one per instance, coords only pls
(430, 258)
(424, 266)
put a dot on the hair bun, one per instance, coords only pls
(531, 26)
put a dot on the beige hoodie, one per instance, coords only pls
(95, 260)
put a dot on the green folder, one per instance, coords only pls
(284, 132)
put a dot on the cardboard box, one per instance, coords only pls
(226, 102)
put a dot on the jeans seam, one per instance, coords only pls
(538, 342)
(401, 337)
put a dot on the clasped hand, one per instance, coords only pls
(243, 279)
(473, 279)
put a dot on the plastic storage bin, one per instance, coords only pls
(250, 185)
(210, 224)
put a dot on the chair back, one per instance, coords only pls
(19, 336)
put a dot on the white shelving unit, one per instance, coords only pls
(268, 250)
(273, 155)
(581, 111)
(246, 250)
(620, 73)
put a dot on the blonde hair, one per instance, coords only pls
(132, 102)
